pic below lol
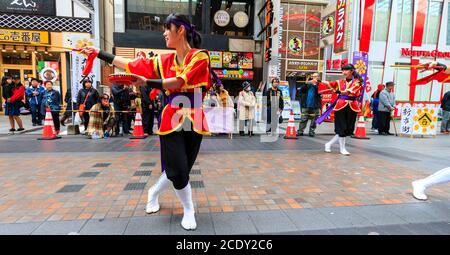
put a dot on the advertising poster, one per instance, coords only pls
(48, 71)
(245, 60)
(259, 106)
(230, 60)
(79, 62)
(284, 87)
(215, 59)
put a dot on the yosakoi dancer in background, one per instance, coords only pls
(345, 107)
(183, 122)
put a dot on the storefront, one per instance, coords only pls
(293, 35)
(227, 29)
(31, 37)
(392, 42)
(233, 68)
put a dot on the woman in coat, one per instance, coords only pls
(247, 103)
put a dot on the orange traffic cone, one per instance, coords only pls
(291, 132)
(360, 128)
(138, 132)
(49, 132)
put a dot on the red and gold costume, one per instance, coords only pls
(353, 88)
(195, 72)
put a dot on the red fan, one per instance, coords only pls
(122, 79)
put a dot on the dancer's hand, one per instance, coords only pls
(88, 50)
(140, 80)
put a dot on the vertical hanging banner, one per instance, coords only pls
(79, 62)
(361, 62)
(417, 39)
(366, 31)
(340, 33)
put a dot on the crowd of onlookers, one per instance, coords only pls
(104, 115)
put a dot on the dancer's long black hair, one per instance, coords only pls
(192, 35)
(355, 74)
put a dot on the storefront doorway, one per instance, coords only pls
(23, 72)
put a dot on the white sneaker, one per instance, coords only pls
(419, 191)
(345, 152)
(327, 148)
(342, 146)
(152, 203)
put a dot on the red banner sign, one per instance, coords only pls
(366, 32)
(336, 64)
(339, 34)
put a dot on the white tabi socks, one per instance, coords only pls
(153, 193)
(419, 186)
(342, 146)
(185, 195)
(331, 142)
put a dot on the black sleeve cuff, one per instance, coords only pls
(155, 84)
(442, 65)
(105, 56)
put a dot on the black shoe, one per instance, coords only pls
(34, 124)
(20, 129)
(299, 134)
(12, 130)
(388, 133)
(311, 135)
(250, 134)
(241, 133)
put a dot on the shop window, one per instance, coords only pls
(381, 24)
(10, 58)
(432, 22)
(313, 18)
(402, 85)
(284, 20)
(375, 76)
(296, 17)
(404, 21)
(238, 20)
(312, 46)
(151, 15)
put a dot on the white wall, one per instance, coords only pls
(64, 8)
(80, 11)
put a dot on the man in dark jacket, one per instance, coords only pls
(89, 97)
(122, 102)
(148, 112)
(310, 103)
(445, 105)
(274, 97)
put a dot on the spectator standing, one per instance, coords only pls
(385, 107)
(14, 92)
(247, 103)
(148, 110)
(52, 99)
(445, 105)
(274, 97)
(34, 95)
(87, 97)
(374, 104)
(310, 103)
(122, 103)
